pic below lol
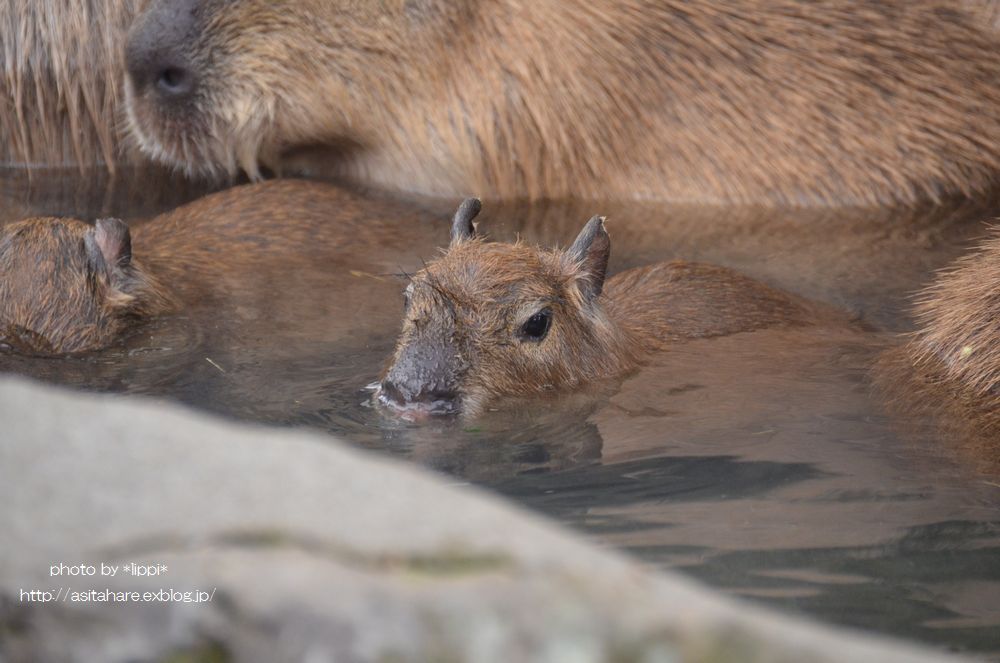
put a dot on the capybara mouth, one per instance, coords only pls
(416, 411)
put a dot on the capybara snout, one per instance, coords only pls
(156, 55)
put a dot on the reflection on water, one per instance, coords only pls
(758, 463)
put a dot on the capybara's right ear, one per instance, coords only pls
(461, 226)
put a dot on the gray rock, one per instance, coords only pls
(311, 551)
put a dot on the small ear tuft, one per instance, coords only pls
(591, 251)
(461, 225)
(113, 240)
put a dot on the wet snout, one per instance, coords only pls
(157, 55)
(425, 376)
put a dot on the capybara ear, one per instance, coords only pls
(462, 227)
(109, 245)
(115, 241)
(109, 249)
(591, 251)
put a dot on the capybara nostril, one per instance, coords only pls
(156, 55)
(175, 82)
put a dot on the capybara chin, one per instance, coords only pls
(489, 320)
(950, 367)
(67, 286)
(745, 101)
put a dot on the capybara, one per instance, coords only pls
(61, 81)
(487, 320)
(950, 367)
(67, 286)
(746, 101)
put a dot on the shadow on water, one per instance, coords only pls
(758, 462)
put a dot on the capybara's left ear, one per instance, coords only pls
(461, 226)
(591, 251)
(109, 249)
(115, 240)
(109, 244)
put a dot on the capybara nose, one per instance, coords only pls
(157, 53)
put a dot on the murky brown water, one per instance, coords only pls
(759, 463)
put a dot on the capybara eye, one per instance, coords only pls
(537, 326)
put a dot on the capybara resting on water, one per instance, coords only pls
(749, 101)
(488, 320)
(67, 286)
(950, 367)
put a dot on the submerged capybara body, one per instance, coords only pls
(950, 367)
(488, 320)
(61, 81)
(838, 101)
(67, 286)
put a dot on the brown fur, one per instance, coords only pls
(951, 366)
(61, 81)
(65, 287)
(836, 101)
(463, 338)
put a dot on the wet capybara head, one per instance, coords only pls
(209, 82)
(67, 286)
(488, 319)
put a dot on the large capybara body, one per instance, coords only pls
(837, 101)
(950, 368)
(68, 286)
(490, 320)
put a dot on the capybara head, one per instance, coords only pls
(666, 99)
(488, 319)
(67, 286)
(209, 82)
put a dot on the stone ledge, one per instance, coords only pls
(319, 552)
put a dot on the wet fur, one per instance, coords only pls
(834, 101)
(61, 81)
